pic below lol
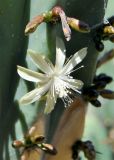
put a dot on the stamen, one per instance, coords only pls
(68, 60)
(69, 98)
(75, 69)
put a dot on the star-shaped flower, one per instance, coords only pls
(55, 81)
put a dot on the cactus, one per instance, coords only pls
(16, 119)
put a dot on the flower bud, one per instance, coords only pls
(78, 25)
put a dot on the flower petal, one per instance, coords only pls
(30, 75)
(75, 83)
(49, 62)
(35, 94)
(74, 88)
(40, 62)
(77, 58)
(71, 83)
(60, 53)
(31, 97)
(51, 100)
(50, 103)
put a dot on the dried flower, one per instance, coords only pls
(31, 26)
(56, 81)
(78, 25)
(57, 14)
(31, 147)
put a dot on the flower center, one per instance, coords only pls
(62, 90)
(60, 87)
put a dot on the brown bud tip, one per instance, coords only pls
(107, 94)
(78, 25)
(56, 10)
(31, 26)
(48, 148)
(38, 138)
(17, 144)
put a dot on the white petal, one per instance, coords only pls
(40, 62)
(31, 97)
(73, 87)
(50, 103)
(74, 82)
(77, 58)
(35, 94)
(30, 75)
(60, 53)
(49, 63)
(51, 100)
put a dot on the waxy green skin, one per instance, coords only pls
(13, 45)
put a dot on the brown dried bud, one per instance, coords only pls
(37, 139)
(78, 25)
(48, 148)
(107, 94)
(17, 144)
(58, 12)
(65, 26)
(32, 25)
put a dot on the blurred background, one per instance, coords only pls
(99, 127)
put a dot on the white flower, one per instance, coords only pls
(55, 81)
